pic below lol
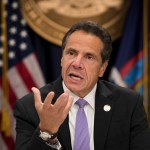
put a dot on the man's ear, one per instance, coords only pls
(103, 68)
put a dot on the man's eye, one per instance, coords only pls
(90, 57)
(71, 53)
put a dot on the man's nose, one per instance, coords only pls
(78, 62)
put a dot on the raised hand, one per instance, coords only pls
(52, 116)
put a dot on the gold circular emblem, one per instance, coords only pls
(52, 18)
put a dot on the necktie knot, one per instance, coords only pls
(81, 103)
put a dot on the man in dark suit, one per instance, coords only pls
(46, 118)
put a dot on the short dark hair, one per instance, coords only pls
(95, 29)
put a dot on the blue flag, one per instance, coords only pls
(128, 69)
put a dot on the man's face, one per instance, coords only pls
(82, 63)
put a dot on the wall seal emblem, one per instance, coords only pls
(52, 18)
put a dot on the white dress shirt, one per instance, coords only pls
(89, 111)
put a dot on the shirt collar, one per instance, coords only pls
(90, 97)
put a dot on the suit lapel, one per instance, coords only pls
(64, 132)
(65, 138)
(102, 117)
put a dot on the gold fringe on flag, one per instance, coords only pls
(5, 122)
(145, 50)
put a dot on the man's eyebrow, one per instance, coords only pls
(71, 49)
(88, 53)
(92, 54)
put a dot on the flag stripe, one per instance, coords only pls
(13, 122)
(8, 140)
(34, 70)
(132, 77)
(12, 97)
(129, 65)
(116, 77)
(138, 83)
(15, 81)
(2, 143)
(25, 75)
(1, 98)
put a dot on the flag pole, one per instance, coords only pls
(145, 50)
(5, 122)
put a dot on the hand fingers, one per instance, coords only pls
(48, 100)
(37, 98)
(64, 103)
(61, 101)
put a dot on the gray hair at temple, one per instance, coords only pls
(94, 29)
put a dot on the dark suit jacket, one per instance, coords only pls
(124, 127)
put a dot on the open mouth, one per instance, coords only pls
(76, 77)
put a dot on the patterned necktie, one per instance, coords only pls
(82, 139)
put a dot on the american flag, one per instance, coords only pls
(21, 72)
